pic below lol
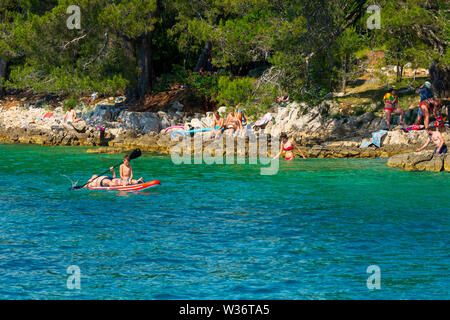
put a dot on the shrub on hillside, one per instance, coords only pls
(232, 91)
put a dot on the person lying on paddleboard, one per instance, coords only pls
(217, 126)
(103, 181)
(126, 173)
(287, 145)
(438, 140)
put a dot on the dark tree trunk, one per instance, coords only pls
(398, 71)
(330, 71)
(129, 47)
(440, 79)
(146, 74)
(201, 62)
(3, 64)
(344, 76)
(144, 64)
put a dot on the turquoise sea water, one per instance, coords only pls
(221, 232)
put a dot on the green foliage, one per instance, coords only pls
(357, 111)
(314, 46)
(47, 56)
(70, 103)
(232, 91)
(203, 87)
(407, 32)
(62, 81)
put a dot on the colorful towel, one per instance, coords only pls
(263, 120)
(376, 139)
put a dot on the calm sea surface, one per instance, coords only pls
(221, 231)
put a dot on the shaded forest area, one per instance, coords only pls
(224, 52)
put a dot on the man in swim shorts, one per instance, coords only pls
(427, 105)
(217, 126)
(437, 138)
(426, 99)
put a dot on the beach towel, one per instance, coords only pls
(376, 139)
(48, 115)
(263, 120)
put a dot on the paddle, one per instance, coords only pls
(135, 154)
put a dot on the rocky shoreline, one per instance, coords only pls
(319, 135)
(421, 161)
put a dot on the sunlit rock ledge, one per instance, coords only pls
(421, 161)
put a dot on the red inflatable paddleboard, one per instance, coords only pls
(134, 187)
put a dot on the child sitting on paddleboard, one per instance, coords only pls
(126, 173)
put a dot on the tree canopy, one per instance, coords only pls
(308, 47)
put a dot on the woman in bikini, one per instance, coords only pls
(230, 122)
(287, 145)
(241, 121)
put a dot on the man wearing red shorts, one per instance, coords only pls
(391, 106)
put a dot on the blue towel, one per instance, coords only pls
(365, 144)
(376, 139)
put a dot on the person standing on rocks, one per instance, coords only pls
(391, 106)
(426, 98)
(438, 140)
(426, 101)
